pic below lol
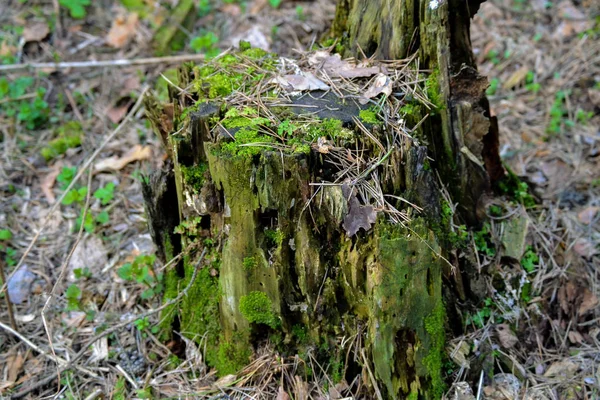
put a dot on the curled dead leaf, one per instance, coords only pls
(137, 153)
(48, 181)
(381, 84)
(36, 31)
(588, 214)
(122, 30)
(507, 338)
(588, 303)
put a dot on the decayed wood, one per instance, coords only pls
(285, 263)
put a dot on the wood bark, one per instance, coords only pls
(282, 267)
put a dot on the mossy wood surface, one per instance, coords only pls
(283, 266)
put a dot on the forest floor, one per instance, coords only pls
(75, 145)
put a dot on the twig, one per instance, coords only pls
(9, 307)
(55, 358)
(103, 63)
(79, 174)
(115, 328)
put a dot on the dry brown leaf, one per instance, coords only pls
(575, 337)
(14, 364)
(381, 84)
(48, 181)
(585, 248)
(563, 368)
(297, 82)
(507, 338)
(225, 381)
(116, 114)
(89, 253)
(281, 394)
(122, 30)
(516, 78)
(137, 153)
(587, 215)
(6, 49)
(588, 303)
(36, 31)
(334, 66)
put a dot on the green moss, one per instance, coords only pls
(232, 356)
(329, 128)
(410, 109)
(227, 60)
(434, 325)
(244, 45)
(274, 237)
(68, 136)
(246, 117)
(255, 53)
(249, 263)
(194, 175)
(432, 87)
(369, 116)
(215, 82)
(256, 307)
(300, 334)
(248, 142)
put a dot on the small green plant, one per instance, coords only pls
(481, 316)
(275, 3)
(531, 84)
(32, 111)
(73, 296)
(82, 273)
(493, 88)
(142, 324)
(190, 227)
(66, 176)
(483, 241)
(75, 196)
(583, 117)
(10, 254)
(286, 128)
(558, 112)
(120, 389)
(68, 136)
(493, 56)
(105, 194)
(369, 116)
(141, 271)
(300, 13)
(529, 260)
(76, 7)
(205, 44)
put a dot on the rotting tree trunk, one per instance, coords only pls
(287, 262)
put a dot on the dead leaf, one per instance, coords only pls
(117, 113)
(192, 354)
(137, 153)
(99, 350)
(48, 181)
(563, 368)
(459, 354)
(588, 303)
(255, 36)
(587, 215)
(14, 364)
(281, 394)
(301, 82)
(516, 78)
(381, 84)
(122, 30)
(90, 253)
(36, 31)
(506, 336)
(359, 216)
(73, 319)
(225, 381)
(585, 248)
(335, 67)
(575, 337)
(6, 49)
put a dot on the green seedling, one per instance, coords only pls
(141, 271)
(76, 7)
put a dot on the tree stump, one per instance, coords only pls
(324, 194)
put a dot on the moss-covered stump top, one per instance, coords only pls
(310, 183)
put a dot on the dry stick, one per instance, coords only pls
(9, 307)
(65, 264)
(104, 63)
(79, 174)
(114, 328)
(54, 358)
